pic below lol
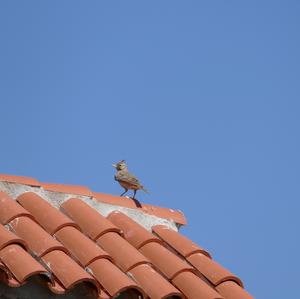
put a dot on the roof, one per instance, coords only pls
(69, 235)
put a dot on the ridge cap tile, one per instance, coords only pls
(68, 189)
(18, 179)
(161, 212)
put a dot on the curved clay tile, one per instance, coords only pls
(121, 201)
(67, 271)
(179, 242)
(7, 238)
(194, 287)
(55, 287)
(123, 254)
(10, 209)
(81, 247)
(38, 240)
(90, 221)
(213, 271)
(170, 214)
(134, 233)
(46, 215)
(20, 263)
(153, 283)
(7, 278)
(19, 180)
(69, 189)
(166, 261)
(113, 279)
(231, 290)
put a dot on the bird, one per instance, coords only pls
(127, 180)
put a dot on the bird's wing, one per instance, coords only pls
(127, 177)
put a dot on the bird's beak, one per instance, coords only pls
(114, 165)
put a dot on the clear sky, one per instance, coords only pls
(200, 98)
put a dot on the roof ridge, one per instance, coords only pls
(176, 216)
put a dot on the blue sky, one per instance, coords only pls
(200, 98)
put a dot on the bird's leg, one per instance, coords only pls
(134, 192)
(124, 192)
(137, 203)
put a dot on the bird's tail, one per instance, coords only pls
(145, 190)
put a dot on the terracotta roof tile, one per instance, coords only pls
(163, 259)
(114, 244)
(7, 238)
(68, 272)
(9, 209)
(89, 220)
(194, 287)
(112, 279)
(69, 189)
(6, 277)
(19, 179)
(82, 248)
(134, 233)
(12, 256)
(46, 215)
(231, 290)
(55, 287)
(177, 241)
(114, 255)
(39, 241)
(153, 283)
(176, 216)
(213, 271)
